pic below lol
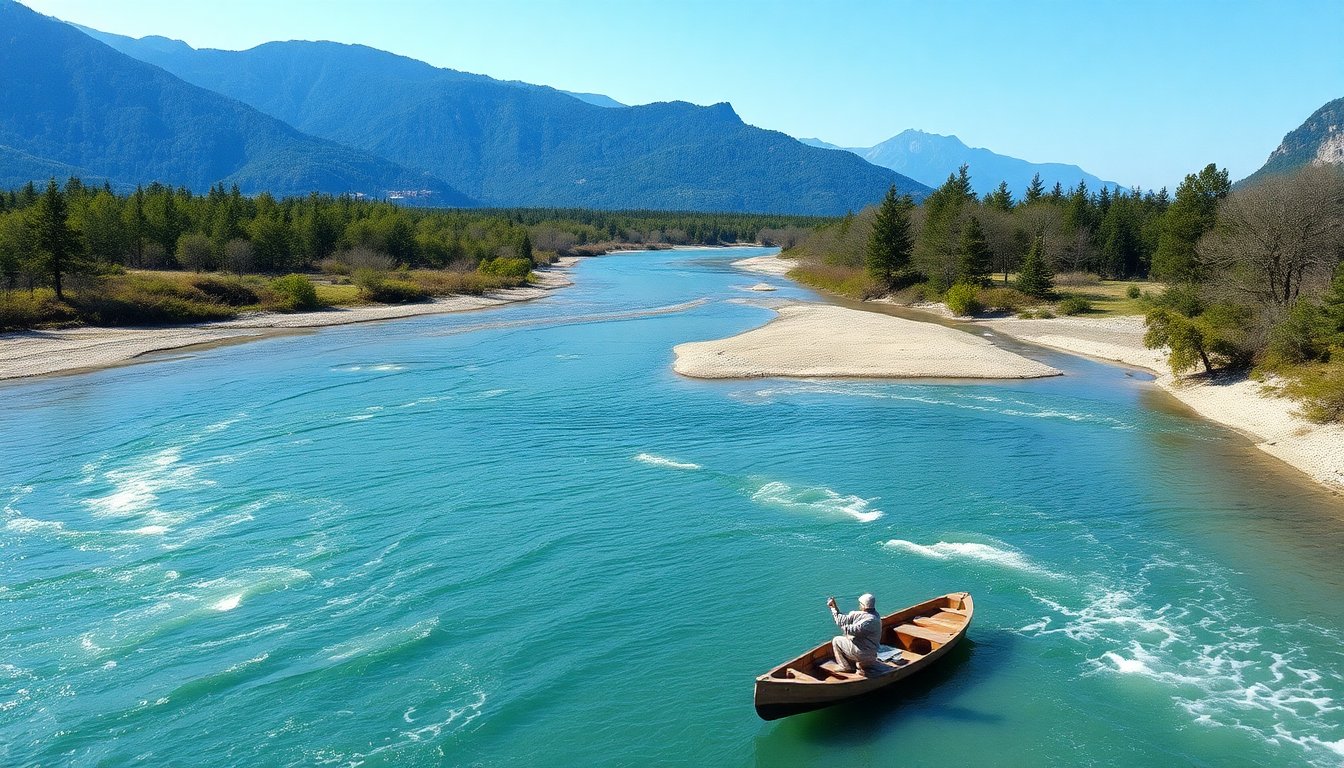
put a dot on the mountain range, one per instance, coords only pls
(294, 117)
(70, 105)
(929, 157)
(1318, 141)
(511, 143)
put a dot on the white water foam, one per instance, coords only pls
(381, 641)
(815, 500)
(227, 603)
(1256, 679)
(945, 396)
(187, 603)
(663, 461)
(136, 489)
(970, 550)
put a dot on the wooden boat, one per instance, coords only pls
(912, 639)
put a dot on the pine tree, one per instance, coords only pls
(1057, 194)
(1192, 214)
(1001, 198)
(1036, 190)
(976, 260)
(56, 243)
(1035, 278)
(890, 241)
(525, 247)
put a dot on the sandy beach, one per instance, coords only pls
(1272, 423)
(820, 340)
(766, 265)
(37, 353)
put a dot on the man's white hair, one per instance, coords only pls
(867, 601)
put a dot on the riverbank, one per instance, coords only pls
(821, 340)
(1272, 423)
(1247, 406)
(38, 353)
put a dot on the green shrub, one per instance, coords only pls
(231, 293)
(368, 281)
(397, 292)
(1320, 388)
(963, 299)
(506, 266)
(21, 309)
(1302, 336)
(1004, 299)
(1133, 292)
(294, 293)
(448, 283)
(1073, 305)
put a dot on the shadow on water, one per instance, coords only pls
(929, 694)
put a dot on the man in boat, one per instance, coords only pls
(857, 648)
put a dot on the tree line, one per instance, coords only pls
(49, 235)
(1250, 276)
(957, 236)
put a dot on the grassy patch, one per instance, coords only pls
(846, 281)
(1110, 298)
(24, 309)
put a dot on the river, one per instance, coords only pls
(515, 537)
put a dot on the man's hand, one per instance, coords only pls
(830, 603)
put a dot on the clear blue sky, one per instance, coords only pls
(1140, 92)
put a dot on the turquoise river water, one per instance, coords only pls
(515, 537)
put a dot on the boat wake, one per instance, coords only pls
(970, 550)
(663, 461)
(1221, 673)
(815, 500)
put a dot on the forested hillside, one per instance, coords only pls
(72, 105)
(518, 144)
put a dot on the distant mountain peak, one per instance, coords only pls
(1319, 140)
(929, 157)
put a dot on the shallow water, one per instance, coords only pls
(516, 537)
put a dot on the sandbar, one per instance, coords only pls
(821, 340)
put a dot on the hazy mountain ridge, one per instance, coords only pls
(1318, 141)
(511, 143)
(81, 107)
(929, 158)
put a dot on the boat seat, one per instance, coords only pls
(957, 611)
(799, 675)
(834, 669)
(931, 635)
(942, 625)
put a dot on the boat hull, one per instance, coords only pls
(777, 697)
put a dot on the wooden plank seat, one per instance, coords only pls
(931, 635)
(935, 623)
